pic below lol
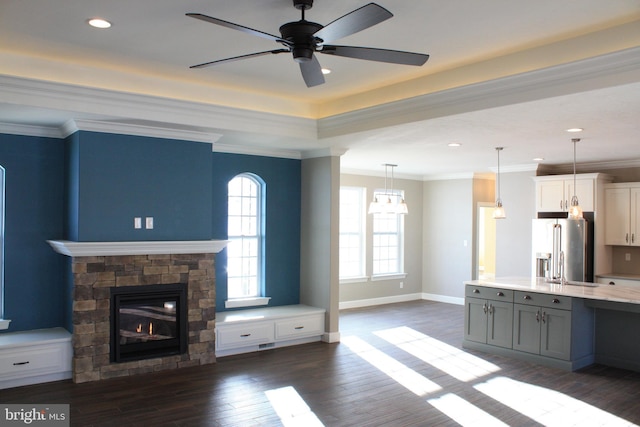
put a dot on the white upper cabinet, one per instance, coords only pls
(622, 214)
(554, 192)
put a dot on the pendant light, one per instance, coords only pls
(498, 211)
(575, 211)
(386, 205)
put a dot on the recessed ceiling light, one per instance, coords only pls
(99, 23)
(454, 144)
(326, 71)
(575, 130)
(538, 159)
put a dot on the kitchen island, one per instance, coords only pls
(566, 326)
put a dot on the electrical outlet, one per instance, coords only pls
(149, 222)
(627, 257)
(401, 285)
(137, 222)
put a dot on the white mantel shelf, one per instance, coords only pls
(78, 249)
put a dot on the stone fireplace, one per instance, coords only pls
(98, 267)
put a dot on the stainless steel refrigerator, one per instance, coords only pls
(563, 244)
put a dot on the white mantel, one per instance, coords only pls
(77, 249)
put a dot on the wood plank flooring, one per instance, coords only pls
(414, 374)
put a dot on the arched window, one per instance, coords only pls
(245, 232)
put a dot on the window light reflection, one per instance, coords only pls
(451, 360)
(291, 408)
(463, 412)
(547, 407)
(405, 376)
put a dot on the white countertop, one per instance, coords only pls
(614, 293)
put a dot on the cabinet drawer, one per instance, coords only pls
(300, 327)
(244, 335)
(618, 282)
(543, 300)
(494, 294)
(32, 360)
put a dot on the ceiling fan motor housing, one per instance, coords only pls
(299, 36)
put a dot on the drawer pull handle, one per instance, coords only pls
(476, 291)
(500, 294)
(527, 297)
(555, 301)
(544, 315)
(245, 335)
(20, 363)
(612, 283)
(299, 327)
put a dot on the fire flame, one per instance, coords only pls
(139, 328)
(150, 328)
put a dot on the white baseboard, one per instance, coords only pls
(331, 337)
(400, 298)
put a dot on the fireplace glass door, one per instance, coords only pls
(148, 321)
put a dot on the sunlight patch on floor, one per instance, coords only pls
(463, 412)
(291, 408)
(405, 376)
(451, 360)
(547, 407)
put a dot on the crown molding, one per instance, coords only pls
(586, 74)
(324, 152)
(587, 167)
(255, 151)
(29, 130)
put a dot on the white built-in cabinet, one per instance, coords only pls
(554, 192)
(622, 214)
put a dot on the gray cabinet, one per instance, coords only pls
(489, 316)
(541, 328)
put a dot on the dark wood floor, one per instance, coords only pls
(402, 377)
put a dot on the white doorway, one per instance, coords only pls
(486, 259)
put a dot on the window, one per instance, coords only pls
(4, 324)
(245, 231)
(388, 235)
(352, 233)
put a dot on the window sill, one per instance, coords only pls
(388, 277)
(4, 324)
(354, 280)
(246, 302)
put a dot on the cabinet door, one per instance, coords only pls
(556, 333)
(617, 216)
(584, 191)
(475, 320)
(526, 328)
(635, 216)
(500, 324)
(550, 196)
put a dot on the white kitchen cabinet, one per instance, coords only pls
(622, 214)
(245, 331)
(554, 193)
(35, 356)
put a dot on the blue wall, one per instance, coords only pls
(282, 240)
(90, 186)
(35, 291)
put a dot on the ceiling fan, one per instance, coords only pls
(303, 38)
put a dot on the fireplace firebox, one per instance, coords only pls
(148, 321)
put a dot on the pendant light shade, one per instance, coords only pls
(575, 211)
(389, 201)
(498, 211)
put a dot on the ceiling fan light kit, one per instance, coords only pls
(304, 38)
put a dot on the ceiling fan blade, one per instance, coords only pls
(234, 26)
(354, 21)
(237, 58)
(312, 72)
(373, 54)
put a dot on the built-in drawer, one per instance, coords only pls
(244, 335)
(32, 360)
(618, 282)
(495, 294)
(303, 326)
(543, 300)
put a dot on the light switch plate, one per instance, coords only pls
(137, 222)
(149, 222)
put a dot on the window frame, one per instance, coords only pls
(400, 237)
(257, 236)
(360, 234)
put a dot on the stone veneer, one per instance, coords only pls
(94, 276)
